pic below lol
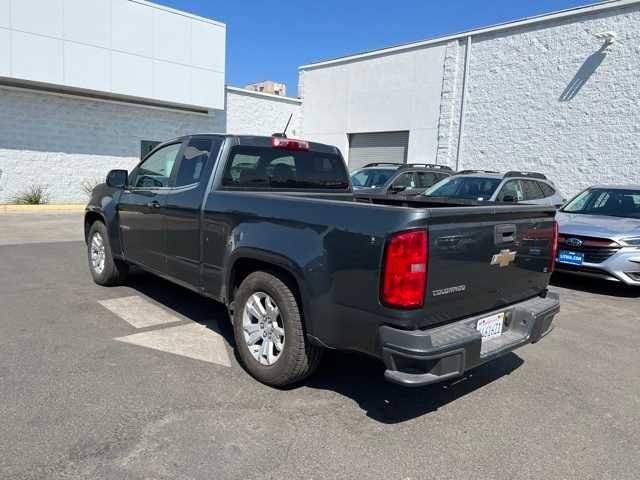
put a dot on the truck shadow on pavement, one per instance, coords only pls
(594, 286)
(361, 379)
(352, 375)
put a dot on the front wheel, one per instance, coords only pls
(269, 334)
(105, 270)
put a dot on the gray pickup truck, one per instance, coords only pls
(270, 227)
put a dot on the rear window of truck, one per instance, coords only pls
(259, 167)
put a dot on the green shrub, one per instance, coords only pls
(33, 195)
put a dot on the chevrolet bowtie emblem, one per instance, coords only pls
(504, 258)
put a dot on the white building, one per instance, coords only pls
(548, 93)
(268, 86)
(85, 84)
(88, 85)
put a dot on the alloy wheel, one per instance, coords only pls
(97, 253)
(263, 328)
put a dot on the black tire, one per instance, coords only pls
(298, 358)
(114, 271)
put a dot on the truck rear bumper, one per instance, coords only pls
(420, 357)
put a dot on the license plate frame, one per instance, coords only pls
(491, 326)
(571, 258)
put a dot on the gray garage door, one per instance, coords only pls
(377, 147)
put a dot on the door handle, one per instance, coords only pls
(154, 204)
(504, 233)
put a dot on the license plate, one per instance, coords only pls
(572, 258)
(490, 327)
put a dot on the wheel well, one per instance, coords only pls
(243, 267)
(89, 219)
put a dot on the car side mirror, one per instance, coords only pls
(397, 188)
(509, 199)
(117, 178)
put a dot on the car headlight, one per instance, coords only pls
(632, 242)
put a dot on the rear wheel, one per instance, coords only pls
(269, 334)
(105, 270)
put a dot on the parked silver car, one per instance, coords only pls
(600, 234)
(488, 186)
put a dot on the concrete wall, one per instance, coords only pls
(126, 47)
(400, 91)
(548, 98)
(540, 96)
(254, 113)
(63, 141)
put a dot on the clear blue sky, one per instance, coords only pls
(264, 42)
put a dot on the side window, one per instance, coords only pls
(404, 180)
(511, 189)
(441, 176)
(547, 190)
(155, 171)
(195, 158)
(531, 190)
(426, 179)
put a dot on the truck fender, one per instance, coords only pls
(103, 207)
(267, 259)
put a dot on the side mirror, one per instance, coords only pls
(397, 188)
(117, 178)
(509, 199)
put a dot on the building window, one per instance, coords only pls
(146, 146)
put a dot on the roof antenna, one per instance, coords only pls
(284, 132)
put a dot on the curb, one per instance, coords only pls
(49, 208)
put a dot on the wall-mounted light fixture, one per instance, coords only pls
(609, 39)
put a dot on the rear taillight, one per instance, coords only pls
(404, 274)
(289, 143)
(554, 247)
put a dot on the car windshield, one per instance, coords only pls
(612, 202)
(477, 188)
(371, 177)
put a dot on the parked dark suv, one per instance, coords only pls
(392, 178)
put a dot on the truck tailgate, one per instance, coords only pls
(483, 258)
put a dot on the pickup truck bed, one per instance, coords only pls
(346, 262)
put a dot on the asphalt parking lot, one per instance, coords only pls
(141, 382)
